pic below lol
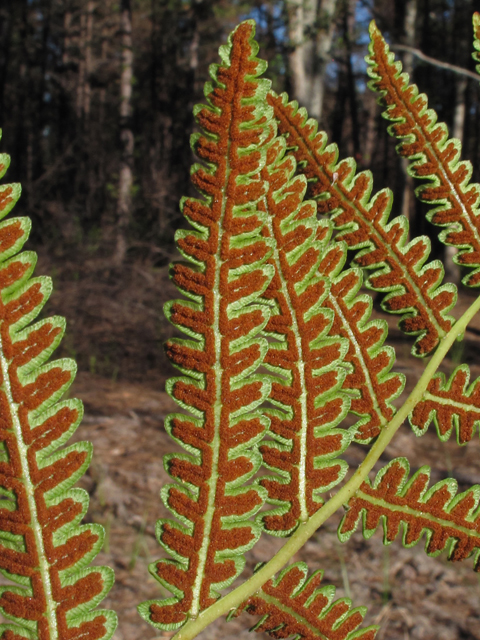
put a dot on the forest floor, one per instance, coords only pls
(412, 596)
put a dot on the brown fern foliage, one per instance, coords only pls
(434, 157)
(398, 266)
(296, 606)
(451, 522)
(450, 404)
(476, 41)
(305, 446)
(219, 388)
(370, 382)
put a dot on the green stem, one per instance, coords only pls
(232, 600)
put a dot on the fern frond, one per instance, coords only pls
(296, 605)
(307, 378)
(434, 157)
(43, 547)
(476, 39)
(227, 274)
(371, 384)
(451, 522)
(450, 404)
(399, 270)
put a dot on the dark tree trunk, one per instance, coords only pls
(125, 183)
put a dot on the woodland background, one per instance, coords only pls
(96, 102)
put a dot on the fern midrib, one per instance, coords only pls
(30, 491)
(359, 353)
(418, 514)
(269, 599)
(302, 466)
(435, 158)
(450, 402)
(213, 480)
(217, 411)
(395, 256)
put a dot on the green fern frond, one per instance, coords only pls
(434, 157)
(398, 267)
(43, 547)
(224, 278)
(450, 521)
(476, 39)
(297, 605)
(304, 444)
(371, 383)
(452, 404)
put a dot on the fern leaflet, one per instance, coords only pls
(296, 605)
(451, 521)
(450, 404)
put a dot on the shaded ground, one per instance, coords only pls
(411, 595)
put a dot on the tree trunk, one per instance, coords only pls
(408, 196)
(459, 113)
(349, 19)
(81, 65)
(25, 122)
(297, 53)
(87, 90)
(67, 22)
(310, 29)
(5, 40)
(125, 183)
(320, 57)
(452, 271)
(370, 130)
(84, 89)
(104, 55)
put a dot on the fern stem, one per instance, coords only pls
(231, 601)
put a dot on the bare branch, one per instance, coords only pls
(435, 62)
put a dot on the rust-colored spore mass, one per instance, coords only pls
(16, 353)
(363, 224)
(9, 235)
(451, 520)
(6, 197)
(294, 606)
(217, 360)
